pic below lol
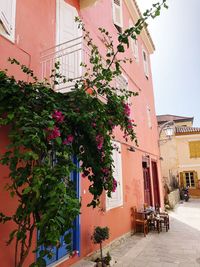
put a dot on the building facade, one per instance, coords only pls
(180, 153)
(38, 33)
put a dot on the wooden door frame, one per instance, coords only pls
(149, 182)
(155, 181)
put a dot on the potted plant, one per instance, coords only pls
(100, 234)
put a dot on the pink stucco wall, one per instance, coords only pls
(35, 32)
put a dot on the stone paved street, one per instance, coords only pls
(179, 247)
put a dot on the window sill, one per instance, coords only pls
(111, 208)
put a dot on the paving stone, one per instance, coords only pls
(165, 264)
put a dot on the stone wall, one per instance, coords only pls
(174, 198)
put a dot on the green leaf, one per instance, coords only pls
(10, 116)
(12, 235)
(26, 190)
(120, 48)
(12, 194)
(58, 140)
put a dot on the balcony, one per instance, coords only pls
(70, 55)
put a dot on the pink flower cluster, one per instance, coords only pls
(58, 116)
(99, 140)
(106, 171)
(130, 124)
(114, 185)
(53, 133)
(127, 110)
(68, 140)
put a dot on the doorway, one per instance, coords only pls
(147, 184)
(156, 189)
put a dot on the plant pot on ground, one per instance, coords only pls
(100, 234)
(104, 262)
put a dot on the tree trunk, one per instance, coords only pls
(101, 254)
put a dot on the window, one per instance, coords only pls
(189, 179)
(121, 84)
(135, 49)
(134, 44)
(117, 196)
(194, 148)
(149, 117)
(145, 62)
(117, 14)
(7, 18)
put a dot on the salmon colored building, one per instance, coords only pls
(38, 33)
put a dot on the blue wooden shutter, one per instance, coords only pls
(62, 251)
(52, 249)
(75, 231)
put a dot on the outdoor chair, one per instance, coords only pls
(139, 221)
(165, 220)
(154, 222)
(164, 216)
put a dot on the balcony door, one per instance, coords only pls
(68, 44)
(66, 27)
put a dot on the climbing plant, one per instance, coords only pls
(47, 129)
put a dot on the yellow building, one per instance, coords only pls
(180, 152)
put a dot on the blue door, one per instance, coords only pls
(60, 252)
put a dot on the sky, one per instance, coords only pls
(176, 61)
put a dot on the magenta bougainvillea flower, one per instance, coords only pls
(99, 140)
(53, 133)
(130, 125)
(127, 110)
(58, 116)
(106, 171)
(114, 185)
(68, 140)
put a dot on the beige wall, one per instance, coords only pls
(176, 156)
(184, 123)
(185, 163)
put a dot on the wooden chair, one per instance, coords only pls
(139, 220)
(164, 216)
(154, 223)
(165, 221)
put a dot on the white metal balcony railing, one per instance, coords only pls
(70, 55)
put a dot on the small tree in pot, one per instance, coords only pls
(100, 234)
